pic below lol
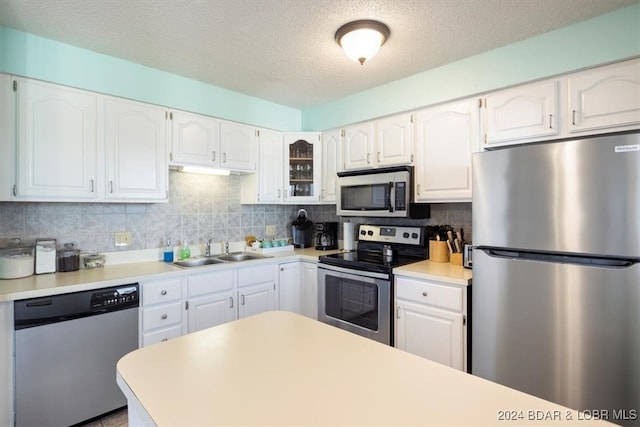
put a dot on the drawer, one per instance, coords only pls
(448, 297)
(203, 284)
(162, 316)
(161, 292)
(258, 274)
(161, 335)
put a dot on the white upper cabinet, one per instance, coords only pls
(521, 114)
(238, 146)
(385, 142)
(331, 149)
(358, 146)
(303, 162)
(605, 99)
(7, 138)
(57, 142)
(446, 136)
(136, 147)
(266, 185)
(194, 140)
(394, 140)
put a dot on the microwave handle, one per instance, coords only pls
(392, 197)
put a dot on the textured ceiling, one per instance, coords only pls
(284, 50)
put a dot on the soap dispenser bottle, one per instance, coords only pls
(185, 252)
(168, 252)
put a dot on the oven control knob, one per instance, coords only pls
(414, 235)
(405, 235)
(370, 232)
(363, 232)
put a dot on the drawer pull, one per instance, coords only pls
(163, 292)
(163, 317)
(165, 339)
(424, 294)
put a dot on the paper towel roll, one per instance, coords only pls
(348, 236)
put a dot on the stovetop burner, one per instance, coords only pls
(406, 244)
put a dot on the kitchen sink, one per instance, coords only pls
(240, 256)
(198, 261)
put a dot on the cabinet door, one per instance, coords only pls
(256, 299)
(270, 167)
(522, 114)
(194, 139)
(303, 162)
(309, 283)
(331, 145)
(358, 146)
(238, 146)
(606, 98)
(136, 151)
(289, 287)
(446, 136)
(211, 310)
(394, 140)
(430, 333)
(57, 140)
(7, 141)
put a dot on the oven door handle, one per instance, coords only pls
(351, 271)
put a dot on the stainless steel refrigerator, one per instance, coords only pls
(556, 272)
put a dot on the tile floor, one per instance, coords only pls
(115, 419)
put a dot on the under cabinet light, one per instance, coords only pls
(203, 170)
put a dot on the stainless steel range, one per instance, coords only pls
(355, 289)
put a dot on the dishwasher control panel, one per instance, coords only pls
(115, 297)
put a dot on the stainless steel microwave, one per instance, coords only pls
(386, 192)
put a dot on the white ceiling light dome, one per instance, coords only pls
(362, 39)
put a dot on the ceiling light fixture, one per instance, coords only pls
(362, 39)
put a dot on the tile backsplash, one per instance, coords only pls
(200, 207)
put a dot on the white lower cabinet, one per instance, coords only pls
(162, 311)
(298, 288)
(257, 289)
(212, 299)
(431, 320)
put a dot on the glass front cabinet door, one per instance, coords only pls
(302, 166)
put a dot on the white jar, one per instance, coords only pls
(16, 259)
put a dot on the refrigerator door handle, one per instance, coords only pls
(561, 259)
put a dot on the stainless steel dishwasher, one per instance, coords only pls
(66, 350)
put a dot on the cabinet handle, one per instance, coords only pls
(424, 294)
(163, 317)
(573, 117)
(213, 156)
(550, 121)
(15, 190)
(163, 292)
(368, 158)
(92, 186)
(242, 299)
(164, 339)
(378, 157)
(111, 186)
(224, 157)
(230, 302)
(418, 189)
(279, 193)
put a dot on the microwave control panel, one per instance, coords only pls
(401, 196)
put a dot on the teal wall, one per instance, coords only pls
(607, 38)
(603, 39)
(31, 56)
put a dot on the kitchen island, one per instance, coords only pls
(279, 368)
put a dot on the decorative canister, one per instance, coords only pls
(16, 258)
(68, 258)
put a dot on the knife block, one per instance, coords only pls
(438, 251)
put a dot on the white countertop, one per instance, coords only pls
(440, 271)
(280, 368)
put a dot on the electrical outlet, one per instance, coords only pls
(123, 238)
(270, 230)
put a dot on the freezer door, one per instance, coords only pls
(579, 196)
(564, 332)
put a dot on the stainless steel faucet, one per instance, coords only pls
(207, 252)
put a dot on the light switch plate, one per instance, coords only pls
(123, 238)
(270, 230)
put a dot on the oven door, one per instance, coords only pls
(356, 301)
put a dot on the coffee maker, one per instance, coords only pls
(302, 230)
(326, 236)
